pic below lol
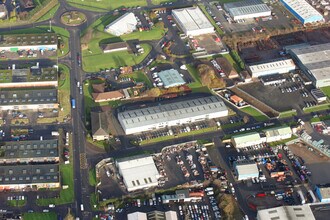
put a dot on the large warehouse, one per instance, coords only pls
(172, 114)
(246, 169)
(315, 62)
(272, 67)
(138, 172)
(277, 134)
(246, 140)
(303, 11)
(288, 212)
(192, 21)
(124, 25)
(247, 9)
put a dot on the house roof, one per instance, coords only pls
(99, 123)
(114, 46)
(98, 88)
(108, 95)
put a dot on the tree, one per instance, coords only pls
(246, 119)
(154, 92)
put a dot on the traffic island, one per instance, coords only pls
(73, 18)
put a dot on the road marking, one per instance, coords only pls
(83, 161)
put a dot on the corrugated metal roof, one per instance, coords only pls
(248, 137)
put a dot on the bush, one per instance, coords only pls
(237, 59)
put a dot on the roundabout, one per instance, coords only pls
(73, 18)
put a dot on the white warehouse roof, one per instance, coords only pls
(246, 169)
(255, 8)
(287, 212)
(192, 21)
(171, 114)
(284, 130)
(137, 216)
(138, 172)
(316, 59)
(248, 139)
(123, 25)
(273, 67)
(303, 11)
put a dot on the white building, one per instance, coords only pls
(246, 170)
(172, 114)
(137, 216)
(277, 134)
(287, 212)
(246, 140)
(303, 11)
(273, 67)
(315, 62)
(124, 25)
(247, 9)
(192, 21)
(138, 172)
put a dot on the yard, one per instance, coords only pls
(257, 115)
(40, 216)
(105, 5)
(63, 97)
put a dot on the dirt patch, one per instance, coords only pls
(310, 157)
(229, 207)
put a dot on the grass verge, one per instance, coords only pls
(317, 108)
(16, 203)
(49, 14)
(257, 115)
(40, 216)
(92, 177)
(105, 5)
(288, 114)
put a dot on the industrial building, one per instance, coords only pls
(28, 99)
(246, 170)
(124, 25)
(14, 43)
(171, 78)
(30, 77)
(323, 192)
(314, 61)
(246, 140)
(272, 67)
(192, 21)
(20, 177)
(25, 152)
(277, 134)
(247, 9)
(272, 79)
(303, 11)
(286, 212)
(183, 195)
(100, 130)
(138, 172)
(318, 95)
(153, 215)
(172, 114)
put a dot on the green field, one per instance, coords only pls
(40, 216)
(254, 113)
(326, 91)
(105, 5)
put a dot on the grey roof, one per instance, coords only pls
(99, 123)
(272, 77)
(171, 111)
(26, 174)
(21, 97)
(28, 39)
(315, 58)
(246, 7)
(29, 149)
(171, 78)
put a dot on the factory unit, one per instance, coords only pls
(323, 192)
(246, 170)
(171, 78)
(247, 9)
(246, 140)
(192, 21)
(314, 61)
(286, 212)
(170, 114)
(123, 25)
(277, 134)
(138, 172)
(14, 43)
(303, 11)
(272, 67)
(272, 79)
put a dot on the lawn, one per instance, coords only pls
(158, 2)
(317, 108)
(254, 113)
(92, 177)
(40, 216)
(139, 76)
(326, 91)
(105, 5)
(93, 62)
(16, 203)
(288, 114)
(49, 14)
(63, 96)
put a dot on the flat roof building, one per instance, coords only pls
(277, 134)
(271, 67)
(28, 99)
(30, 77)
(19, 177)
(14, 152)
(16, 42)
(272, 79)
(247, 9)
(318, 95)
(246, 170)
(137, 216)
(323, 192)
(192, 21)
(303, 11)
(123, 25)
(138, 172)
(108, 96)
(315, 62)
(172, 114)
(171, 78)
(246, 140)
(286, 212)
